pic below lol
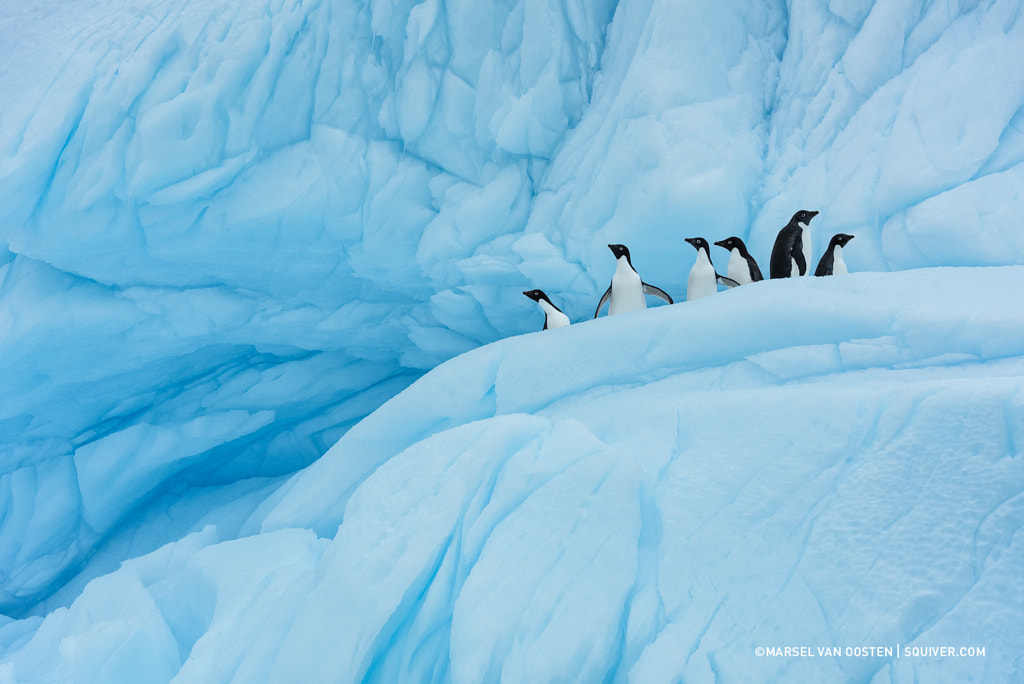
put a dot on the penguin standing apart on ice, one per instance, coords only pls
(703, 279)
(742, 268)
(553, 316)
(790, 255)
(627, 291)
(832, 260)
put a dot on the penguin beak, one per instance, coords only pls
(693, 241)
(612, 247)
(813, 214)
(720, 243)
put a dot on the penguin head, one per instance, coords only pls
(620, 251)
(537, 295)
(699, 243)
(733, 243)
(803, 216)
(841, 239)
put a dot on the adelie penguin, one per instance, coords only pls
(790, 252)
(704, 280)
(742, 268)
(627, 292)
(553, 316)
(832, 260)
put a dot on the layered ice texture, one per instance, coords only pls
(648, 497)
(230, 233)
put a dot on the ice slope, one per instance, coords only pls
(229, 231)
(647, 497)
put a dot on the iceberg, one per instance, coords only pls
(268, 406)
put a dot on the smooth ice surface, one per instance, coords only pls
(229, 232)
(647, 497)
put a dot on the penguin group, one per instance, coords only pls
(790, 257)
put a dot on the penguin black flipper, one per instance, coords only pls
(755, 272)
(798, 255)
(604, 298)
(825, 265)
(726, 281)
(657, 292)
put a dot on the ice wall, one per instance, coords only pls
(904, 122)
(232, 230)
(226, 224)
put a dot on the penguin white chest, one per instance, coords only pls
(738, 269)
(555, 318)
(702, 280)
(627, 290)
(838, 265)
(805, 237)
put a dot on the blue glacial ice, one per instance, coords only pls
(232, 235)
(647, 497)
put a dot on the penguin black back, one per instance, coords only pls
(553, 316)
(827, 265)
(737, 244)
(789, 247)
